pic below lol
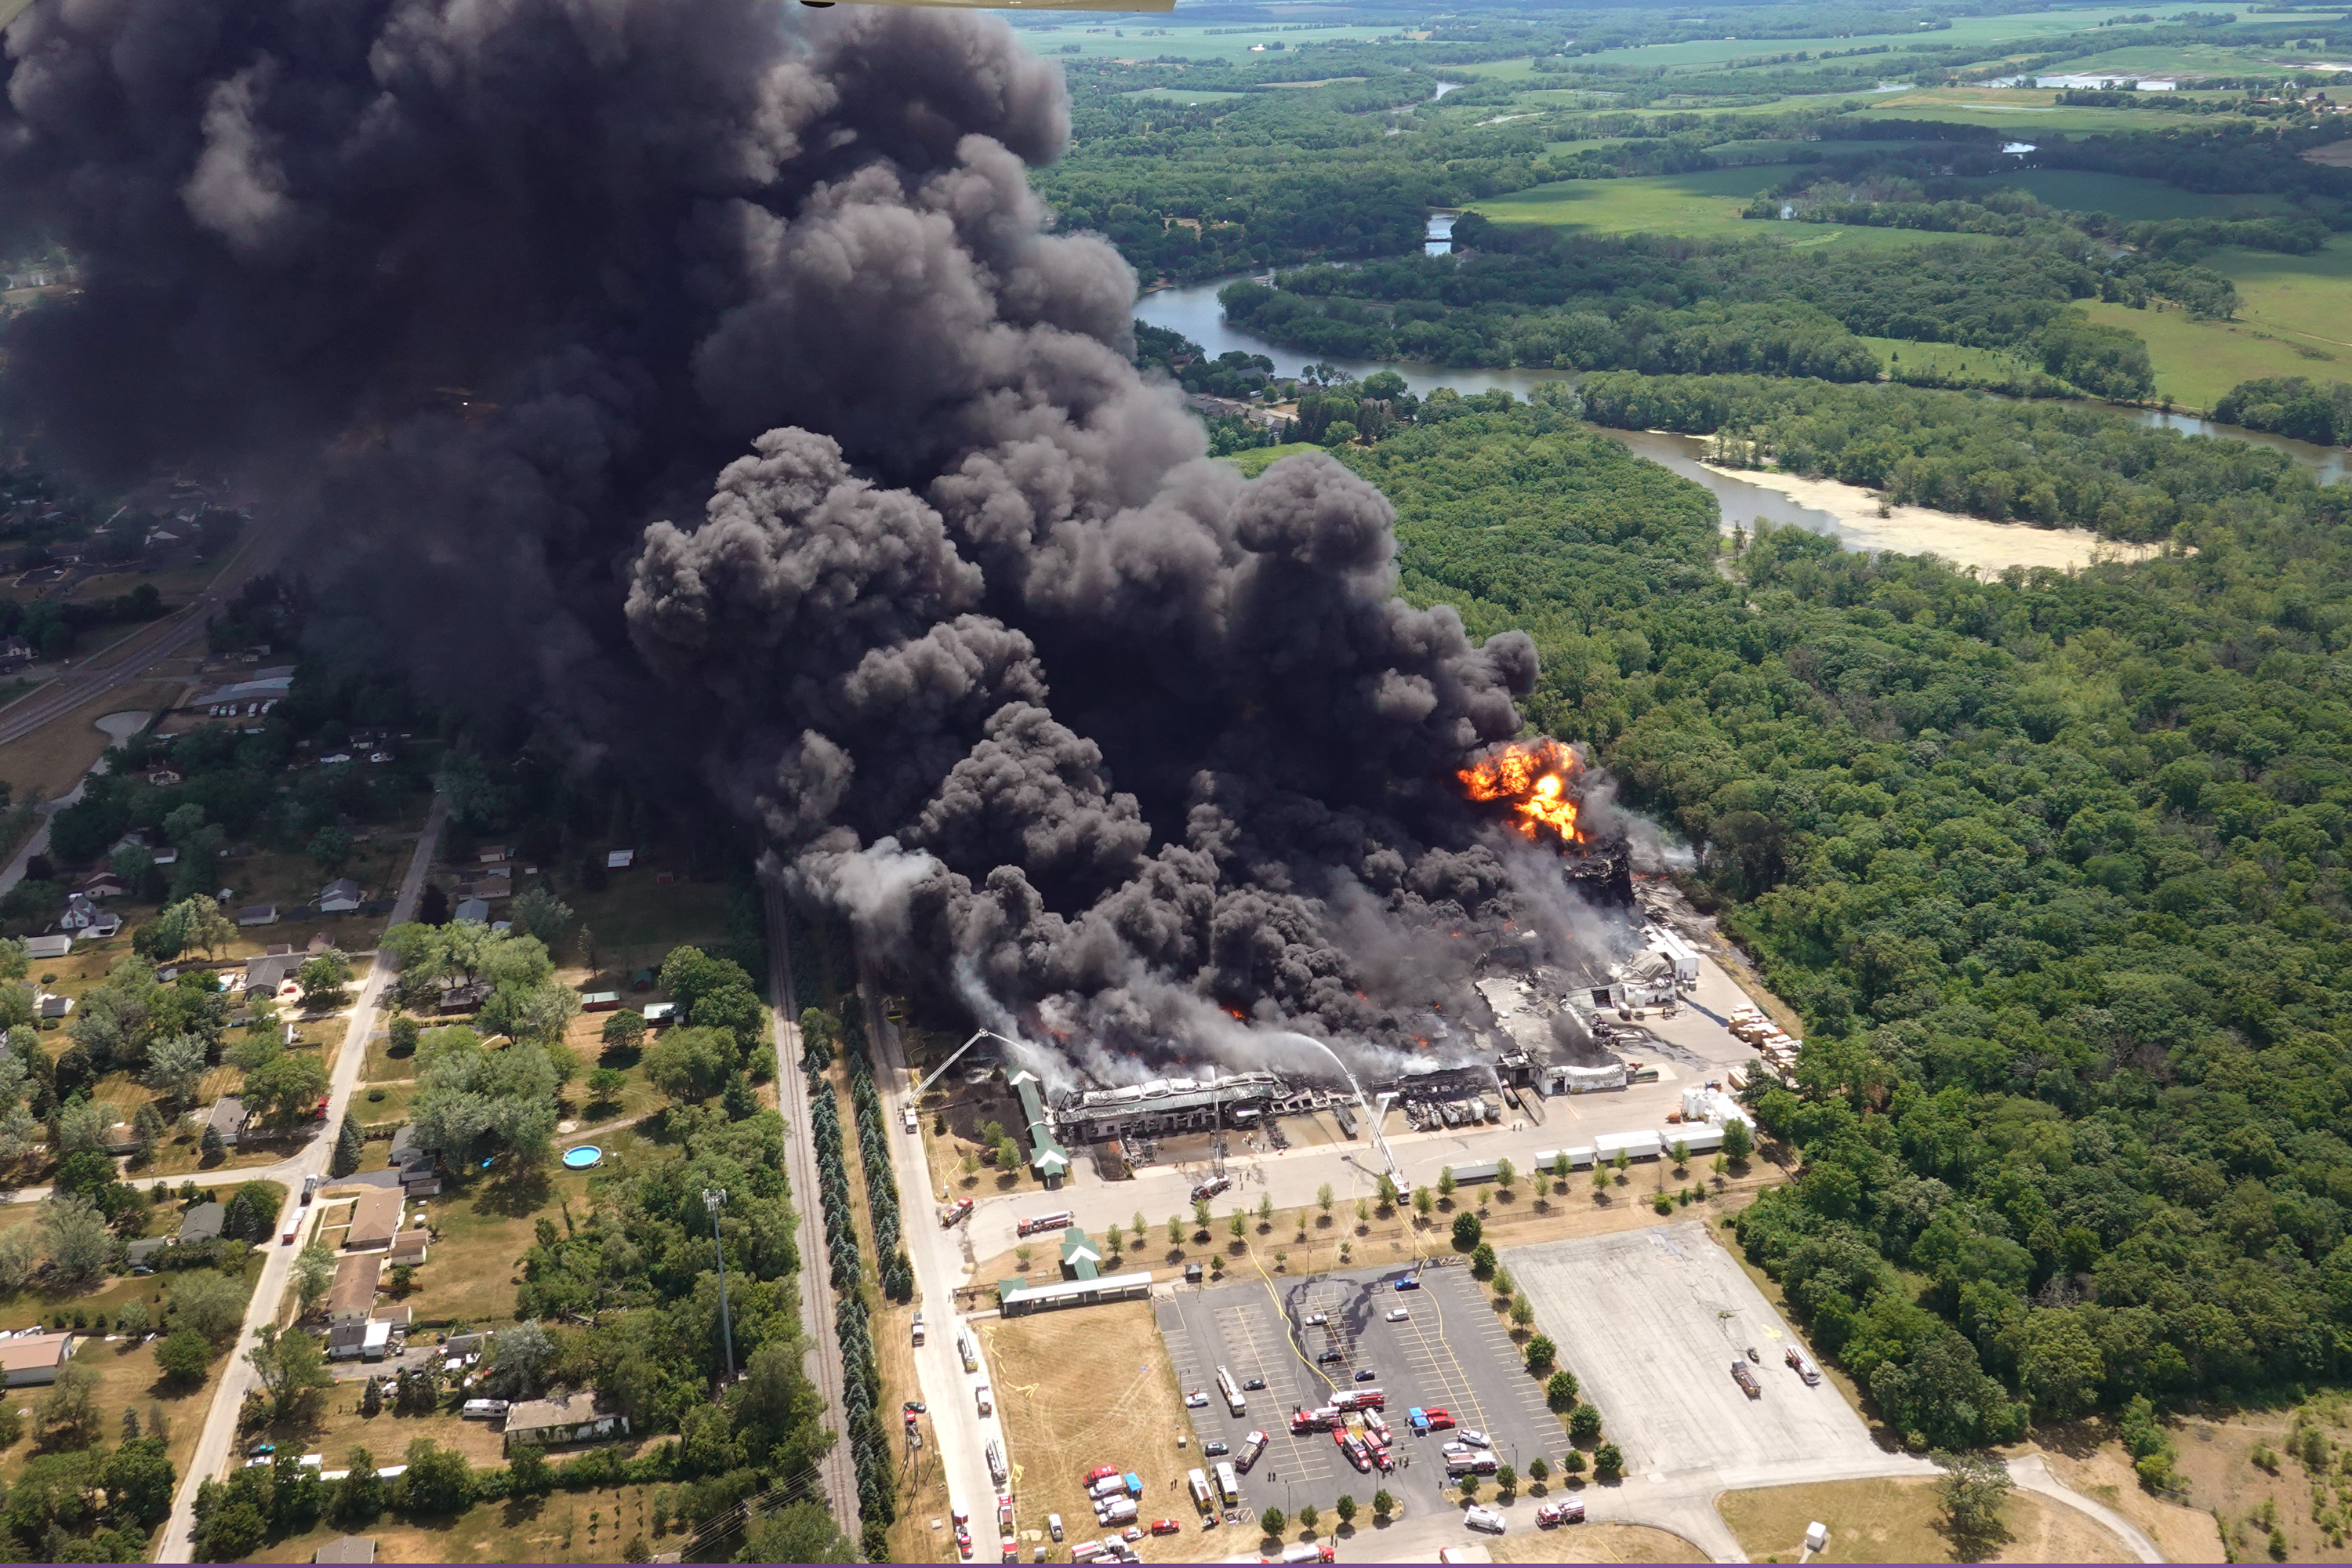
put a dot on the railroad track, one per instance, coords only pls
(800, 1166)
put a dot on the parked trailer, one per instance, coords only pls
(1061, 1219)
(1632, 1145)
(1232, 1393)
(1695, 1137)
(1485, 1171)
(1580, 1158)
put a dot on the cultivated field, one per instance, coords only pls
(1082, 1388)
(1650, 1321)
(1706, 204)
(2132, 200)
(1899, 1521)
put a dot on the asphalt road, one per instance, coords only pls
(835, 1473)
(959, 1434)
(129, 657)
(216, 1446)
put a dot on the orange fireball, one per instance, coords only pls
(1534, 778)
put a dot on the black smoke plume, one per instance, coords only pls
(1076, 724)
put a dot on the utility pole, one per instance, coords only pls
(714, 1199)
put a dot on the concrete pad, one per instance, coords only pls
(1650, 1321)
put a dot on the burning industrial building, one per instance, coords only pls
(805, 452)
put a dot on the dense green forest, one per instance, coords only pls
(2290, 405)
(2053, 863)
(1664, 305)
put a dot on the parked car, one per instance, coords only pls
(1101, 1472)
(1215, 1449)
(914, 1407)
(1398, 1315)
(1197, 1400)
(1473, 1436)
(1365, 1374)
(1132, 1532)
(1485, 1519)
(1438, 1420)
(1331, 1355)
(1253, 1385)
(1318, 1320)
(1166, 1526)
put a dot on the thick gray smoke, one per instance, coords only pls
(1075, 722)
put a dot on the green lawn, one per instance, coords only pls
(1706, 203)
(1257, 459)
(2132, 200)
(1138, 40)
(1180, 95)
(2196, 362)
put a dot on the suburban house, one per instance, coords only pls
(137, 1255)
(104, 885)
(345, 1340)
(346, 1548)
(375, 1219)
(227, 1117)
(561, 1419)
(340, 897)
(202, 1223)
(82, 915)
(34, 1357)
(472, 909)
(496, 854)
(352, 1295)
(257, 915)
(48, 947)
(272, 976)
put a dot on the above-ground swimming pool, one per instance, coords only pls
(583, 1157)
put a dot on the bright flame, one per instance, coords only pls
(1534, 778)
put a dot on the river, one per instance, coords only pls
(1193, 310)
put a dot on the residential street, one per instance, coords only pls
(216, 1447)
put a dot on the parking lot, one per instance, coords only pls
(1650, 1321)
(1453, 1351)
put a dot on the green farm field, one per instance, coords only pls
(2132, 200)
(2196, 362)
(1707, 204)
(1991, 31)
(2161, 62)
(2021, 110)
(1129, 40)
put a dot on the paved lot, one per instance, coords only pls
(1650, 1321)
(1454, 1352)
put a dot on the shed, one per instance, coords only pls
(398, 1315)
(600, 1001)
(1079, 1259)
(257, 915)
(409, 1246)
(138, 1252)
(352, 1295)
(49, 1005)
(562, 1418)
(657, 1014)
(346, 1548)
(34, 1357)
(203, 1222)
(620, 859)
(48, 947)
(405, 1148)
(474, 909)
(340, 897)
(375, 1220)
